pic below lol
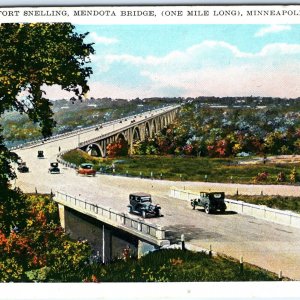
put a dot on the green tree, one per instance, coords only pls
(33, 56)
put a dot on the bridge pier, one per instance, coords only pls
(106, 244)
(105, 240)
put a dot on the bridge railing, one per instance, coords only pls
(76, 131)
(119, 219)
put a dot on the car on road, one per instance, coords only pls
(22, 167)
(40, 154)
(54, 169)
(86, 169)
(211, 202)
(141, 203)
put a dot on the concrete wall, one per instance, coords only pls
(258, 211)
(106, 241)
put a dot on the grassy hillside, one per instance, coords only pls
(187, 168)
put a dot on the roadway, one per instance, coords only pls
(271, 246)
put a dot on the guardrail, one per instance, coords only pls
(258, 211)
(76, 131)
(150, 232)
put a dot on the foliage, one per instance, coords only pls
(37, 249)
(293, 175)
(78, 157)
(223, 132)
(281, 177)
(117, 148)
(179, 266)
(263, 176)
(186, 168)
(33, 56)
(12, 210)
(40, 54)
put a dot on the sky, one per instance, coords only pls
(193, 60)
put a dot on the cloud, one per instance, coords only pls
(216, 68)
(279, 49)
(102, 39)
(205, 53)
(209, 68)
(272, 29)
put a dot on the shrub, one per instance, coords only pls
(281, 177)
(293, 176)
(263, 176)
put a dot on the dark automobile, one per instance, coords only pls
(86, 169)
(40, 154)
(22, 168)
(211, 202)
(19, 161)
(54, 169)
(15, 157)
(141, 203)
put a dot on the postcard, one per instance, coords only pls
(150, 152)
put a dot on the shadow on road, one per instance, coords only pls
(227, 212)
(173, 233)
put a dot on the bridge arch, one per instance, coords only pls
(136, 134)
(121, 136)
(95, 149)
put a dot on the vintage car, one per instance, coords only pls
(15, 157)
(141, 203)
(54, 169)
(22, 168)
(40, 154)
(86, 169)
(211, 202)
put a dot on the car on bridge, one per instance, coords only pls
(211, 202)
(86, 169)
(22, 167)
(40, 154)
(54, 169)
(141, 203)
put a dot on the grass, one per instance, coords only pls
(180, 266)
(278, 202)
(185, 168)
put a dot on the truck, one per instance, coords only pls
(210, 201)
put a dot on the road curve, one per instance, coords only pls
(271, 246)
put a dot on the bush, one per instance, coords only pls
(281, 177)
(263, 176)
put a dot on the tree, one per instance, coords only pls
(117, 148)
(33, 56)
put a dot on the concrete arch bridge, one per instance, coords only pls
(130, 130)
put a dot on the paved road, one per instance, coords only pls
(272, 246)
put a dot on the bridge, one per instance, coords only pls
(140, 127)
(111, 226)
(268, 245)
